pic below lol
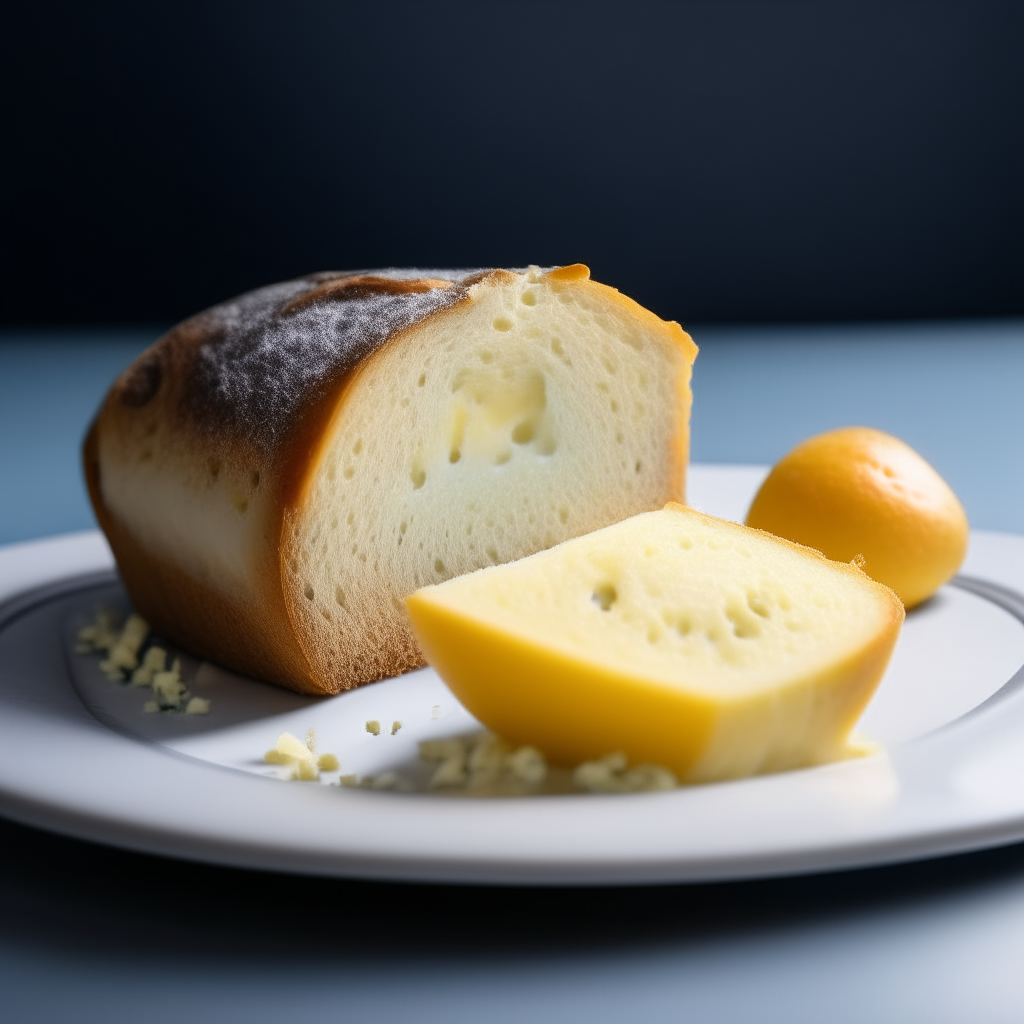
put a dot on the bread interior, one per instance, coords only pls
(534, 412)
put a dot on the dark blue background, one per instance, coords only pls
(720, 161)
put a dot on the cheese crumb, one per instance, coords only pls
(291, 748)
(487, 765)
(101, 635)
(484, 764)
(304, 771)
(395, 726)
(300, 758)
(123, 656)
(528, 765)
(373, 726)
(153, 662)
(612, 774)
(122, 663)
(169, 689)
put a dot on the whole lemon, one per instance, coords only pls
(858, 493)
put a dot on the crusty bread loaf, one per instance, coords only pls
(276, 474)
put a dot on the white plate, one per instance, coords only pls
(78, 755)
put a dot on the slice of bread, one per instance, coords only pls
(276, 475)
(679, 639)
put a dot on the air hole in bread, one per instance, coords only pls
(308, 591)
(744, 623)
(523, 432)
(528, 298)
(682, 624)
(502, 323)
(438, 565)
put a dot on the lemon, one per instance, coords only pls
(860, 494)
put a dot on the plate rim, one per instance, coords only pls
(969, 834)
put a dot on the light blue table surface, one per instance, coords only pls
(88, 934)
(951, 390)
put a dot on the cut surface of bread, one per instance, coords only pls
(679, 639)
(277, 474)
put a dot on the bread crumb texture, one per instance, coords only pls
(130, 661)
(534, 413)
(682, 640)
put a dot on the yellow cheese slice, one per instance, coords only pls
(679, 639)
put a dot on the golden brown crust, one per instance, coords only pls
(253, 637)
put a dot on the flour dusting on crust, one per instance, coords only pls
(261, 356)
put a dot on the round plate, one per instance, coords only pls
(79, 755)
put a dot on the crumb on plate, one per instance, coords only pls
(300, 758)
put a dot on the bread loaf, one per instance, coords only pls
(277, 474)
